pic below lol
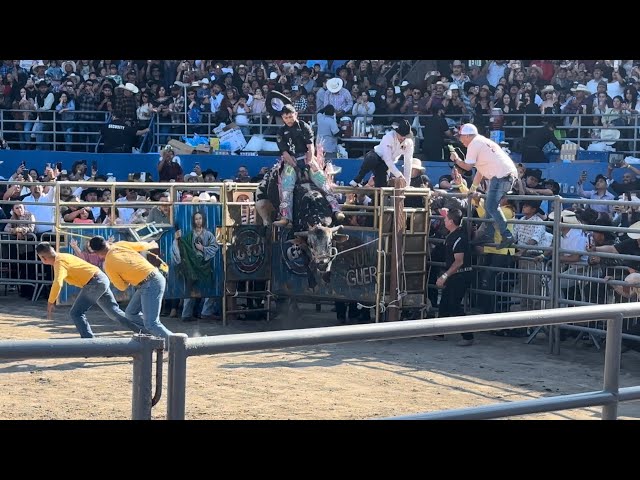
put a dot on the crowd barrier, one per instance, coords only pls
(85, 135)
(382, 268)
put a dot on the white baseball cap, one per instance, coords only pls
(468, 129)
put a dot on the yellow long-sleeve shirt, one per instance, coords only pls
(497, 237)
(125, 266)
(74, 270)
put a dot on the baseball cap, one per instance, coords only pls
(468, 129)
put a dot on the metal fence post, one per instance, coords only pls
(177, 379)
(554, 331)
(613, 350)
(142, 366)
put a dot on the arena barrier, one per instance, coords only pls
(181, 347)
(140, 347)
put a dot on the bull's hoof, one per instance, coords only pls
(282, 223)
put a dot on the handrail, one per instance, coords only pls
(181, 347)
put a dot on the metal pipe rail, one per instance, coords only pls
(182, 347)
(140, 347)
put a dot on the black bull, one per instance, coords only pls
(312, 220)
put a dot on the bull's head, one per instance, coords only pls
(320, 241)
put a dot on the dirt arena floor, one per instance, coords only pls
(348, 381)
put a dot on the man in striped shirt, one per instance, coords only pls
(125, 266)
(94, 286)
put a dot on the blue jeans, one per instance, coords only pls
(189, 303)
(26, 136)
(39, 127)
(498, 187)
(148, 300)
(68, 137)
(97, 291)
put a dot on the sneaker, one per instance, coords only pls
(353, 183)
(507, 241)
(465, 343)
(480, 240)
(283, 222)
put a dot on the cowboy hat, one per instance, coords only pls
(581, 88)
(403, 127)
(536, 68)
(570, 217)
(276, 101)
(68, 62)
(533, 204)
(635, 226)
(129, 86)
(609, 134)
(548, 88)
(416, 163)
(334, 85)
(599, 177)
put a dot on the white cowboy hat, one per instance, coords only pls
(332, 169)
(581, 88)
(68, 62)
(204, 81)
(204, 197)
(129, 86)
(416, 163)
(609, 134)
(334, 85)
(635, 226)
(548, 88)
(569, 217)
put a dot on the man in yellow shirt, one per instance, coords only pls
(125, 266)
(94, 286)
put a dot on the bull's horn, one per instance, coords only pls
(335, 229)
(301, 234)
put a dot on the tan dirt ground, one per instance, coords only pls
(347, 381)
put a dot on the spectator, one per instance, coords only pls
(328, 131)
(600, 193)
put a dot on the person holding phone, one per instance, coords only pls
(600, 193)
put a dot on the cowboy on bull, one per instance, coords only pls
(295, 140)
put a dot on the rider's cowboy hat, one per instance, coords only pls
(275, 102)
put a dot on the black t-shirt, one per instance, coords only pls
(118, 138)
(629, 247)
(456, 242)
(540, 137)
(295, 139)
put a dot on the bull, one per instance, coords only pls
(312, 220)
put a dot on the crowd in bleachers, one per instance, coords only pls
(226, 91)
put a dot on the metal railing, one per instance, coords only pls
(181, 347)
(140, 347)
(163, 129)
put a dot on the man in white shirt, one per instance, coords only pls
(42, 213)
(383, 157)
(496, 166)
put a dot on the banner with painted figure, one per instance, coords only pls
(353, 274)
(194, 255)
(249, 253)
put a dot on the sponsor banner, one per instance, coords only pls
(248, 254)
(353, 274)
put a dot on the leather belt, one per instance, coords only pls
(151, 275)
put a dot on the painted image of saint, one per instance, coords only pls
(192, 253)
